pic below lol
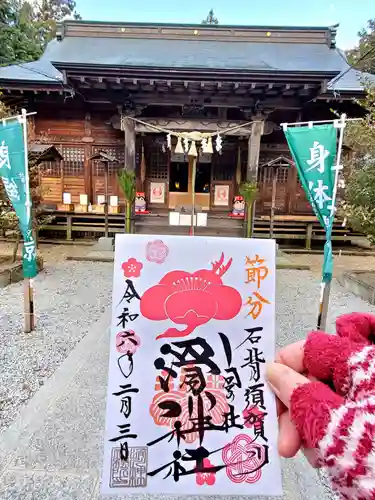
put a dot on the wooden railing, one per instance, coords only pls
(304, 228)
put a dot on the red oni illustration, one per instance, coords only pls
(191, 299)
(222, 194)
(157, 192)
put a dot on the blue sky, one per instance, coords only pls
(352, 15)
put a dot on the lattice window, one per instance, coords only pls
(50, 169)
(282, 175)
(74, 160)
(224, 165)
(138, 153)
(113, 167)
(265, 174)
(282, 172)
(157, 162)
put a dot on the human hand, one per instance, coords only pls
(335, 429)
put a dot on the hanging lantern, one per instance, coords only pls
(169, 141)
(186, 144)
(209, 148)
(179, 149)
(219, 143)
(204, 145)
(193, 149)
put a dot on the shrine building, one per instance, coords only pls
(95, 77)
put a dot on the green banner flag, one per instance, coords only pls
(314, 153)
(15, 177)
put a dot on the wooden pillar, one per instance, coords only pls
(254, 150)
(238, 167)
(309, 232)
(31, 134)
(292, 187)
(62, 180)
(253, 159)
(128, 127)
(106, 201)
(69, 225)
(143, 167)
(61, 165)
(88, 140)
(273, 202)
(88, 173)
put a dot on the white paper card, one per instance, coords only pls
(201, 219)
(83, 199)
(67, 198)
(188, 408)
(101, 199)
(185, 220)
(174, 218)
(113, 201)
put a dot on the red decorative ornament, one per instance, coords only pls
(132, 268)
(191, 299)
(140, 205)
(244, 459)
(253, 417)
(238, 210)
(208, 478)
(127, 342)
(156, 251)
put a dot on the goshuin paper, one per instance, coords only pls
(188, 409)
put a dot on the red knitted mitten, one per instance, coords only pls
(341, 425)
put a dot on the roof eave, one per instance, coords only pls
(346, 95)
(14, 83)
(200, 25)
(63, 66)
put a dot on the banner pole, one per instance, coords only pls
(273, 200)
(326, 287)
(29, 324)
(193, 175)
(317, 122)
(17, 117)
(323, 306)
(340, 124)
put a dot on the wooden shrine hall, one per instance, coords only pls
(113, 87)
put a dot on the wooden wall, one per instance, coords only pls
(290, 196)
(78, 135)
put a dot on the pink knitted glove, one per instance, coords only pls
(341, 425)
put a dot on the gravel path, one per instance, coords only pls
(297, 298)
(68, 299)
(71, 297)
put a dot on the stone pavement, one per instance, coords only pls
(54, 450)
